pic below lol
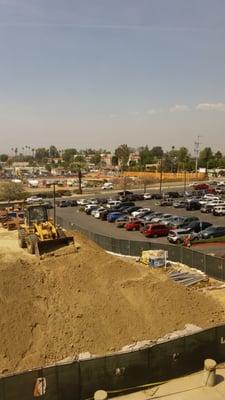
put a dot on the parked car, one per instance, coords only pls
(201, 186)
(212, 232)
(188, 220)
(82, 202)
(219, 210)
(150, 217)
(141, 212)
(206, 209)
(193, 205)
(147, 196)
(197, 226)
(179, 204)
(155, 230)
(73, 203)
(112, 216)
(63, 203)
(126, 204)
(113, 203)
(136, 197)
(129, 210)
(90, 207)
(177, 236)
(161, 218)
(122, 220)
(96, 212)
(166, 202)
(157, 196)
(172, 195)
(132, 225)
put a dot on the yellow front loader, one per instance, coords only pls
(38, 233)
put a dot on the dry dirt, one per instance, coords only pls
(87, 301)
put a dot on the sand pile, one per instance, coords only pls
(88, 301)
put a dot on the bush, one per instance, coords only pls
(12, 191)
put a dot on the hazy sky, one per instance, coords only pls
(98, 73)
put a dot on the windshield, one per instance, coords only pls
(38, 214)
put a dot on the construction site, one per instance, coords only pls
(64, 299)
(72, 301)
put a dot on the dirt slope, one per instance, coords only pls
(86, 301)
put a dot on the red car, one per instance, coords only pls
(132, 225)
(155, 230)
(201, 186)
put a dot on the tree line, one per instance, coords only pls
(173, 160)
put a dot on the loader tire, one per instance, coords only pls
(22, 239)
(31, 243)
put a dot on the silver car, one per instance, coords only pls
(177, 236)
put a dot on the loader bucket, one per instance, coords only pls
(48, 246)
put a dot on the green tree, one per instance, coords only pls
(41, 154)
(79, 159)
(122, 153)
(206, 158)
(4, 157)
(146, 156)
(96, 159)
(68, 155)
(53, 152)
(157, 152)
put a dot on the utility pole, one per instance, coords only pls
(196, 151)
(79, 181)
(185, 179)
(54, 205)
(161, 176)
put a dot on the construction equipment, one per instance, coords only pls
(39, 233)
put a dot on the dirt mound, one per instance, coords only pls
(88, 301)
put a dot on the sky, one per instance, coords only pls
(99, 73)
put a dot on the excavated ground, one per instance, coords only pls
(63, 305)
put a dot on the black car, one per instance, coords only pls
(187, 221)
(73, 203)
(156, 196)
(212, 232)
(172, 195)
(193, 205)
(197, 226)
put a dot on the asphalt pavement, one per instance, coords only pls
(90, 223)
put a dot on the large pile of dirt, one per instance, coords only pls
(87, 301)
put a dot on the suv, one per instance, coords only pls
(219, 210)
(155, 230)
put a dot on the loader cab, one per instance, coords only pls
(36, 214)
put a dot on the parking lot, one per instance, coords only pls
(90, 223)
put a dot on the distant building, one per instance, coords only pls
(106, 160)
(135, 156)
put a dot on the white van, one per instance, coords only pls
(219, 210)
